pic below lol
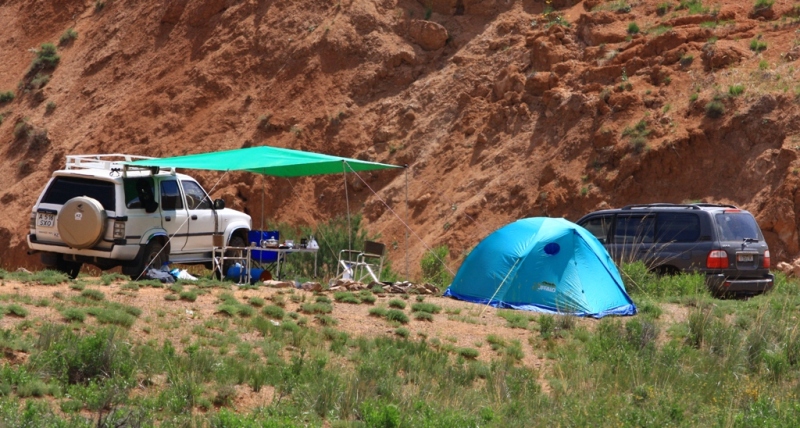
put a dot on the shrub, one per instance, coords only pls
(316, 308)
(346, 297)
(189, 296)
(402, 332)
(16, 310)
(735, 90)
(686, 60)
(663, 8)
(423, 316)
(633, 28)
(77, 359)
(93, 294)
(67, 37)
(433, 268)
(762, 5)
(468, 353)
(378, 312)
(46, 58)
(22, 129)
(273, 311)
(326, 320)
(715, 109)
(396, 315)
(693, 6)
(171, 297)
(112, 316)
(426, 307)
(6, 96)
(256, 301)
(758, 45)
(397, 304)
(73, 314)
(366, 296)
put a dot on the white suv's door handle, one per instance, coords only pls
(167, 218)
(194, 217)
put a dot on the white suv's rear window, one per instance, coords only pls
(63, 189)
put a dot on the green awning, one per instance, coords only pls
(266, 160)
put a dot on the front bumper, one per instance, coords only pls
(720, 284)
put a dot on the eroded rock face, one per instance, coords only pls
(720, 55)
(429, 35)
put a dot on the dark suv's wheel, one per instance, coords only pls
(153, 256)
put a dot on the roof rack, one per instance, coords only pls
(110, 162)
(696, 206)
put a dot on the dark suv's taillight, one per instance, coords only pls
(766, 259)
(717, 259)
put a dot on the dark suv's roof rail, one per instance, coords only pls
(696, 206)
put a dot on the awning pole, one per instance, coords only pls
(347, 200)
(406, 238)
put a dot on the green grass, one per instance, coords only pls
(735, 90)
(685, 360)
(426, 307)
(397, 304)
(93, 294)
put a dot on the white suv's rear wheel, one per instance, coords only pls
(82, 222)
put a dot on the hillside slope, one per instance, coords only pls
(500, 109)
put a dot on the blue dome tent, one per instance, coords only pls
(546, 265)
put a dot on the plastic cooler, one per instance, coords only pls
(257, 236)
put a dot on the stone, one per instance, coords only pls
(429, 35)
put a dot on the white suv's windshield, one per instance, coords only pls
(737, 227)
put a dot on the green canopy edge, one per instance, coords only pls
(266, 160)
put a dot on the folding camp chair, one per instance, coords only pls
(359, 265)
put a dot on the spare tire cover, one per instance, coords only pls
(82, 222)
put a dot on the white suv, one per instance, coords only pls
(99, 210)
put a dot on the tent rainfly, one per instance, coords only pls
(545, 265)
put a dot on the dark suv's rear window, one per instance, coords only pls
(63, 189)
(737, 227)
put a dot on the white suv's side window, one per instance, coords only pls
(170, 196)
(196, 198)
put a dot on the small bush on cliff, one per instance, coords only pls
(633, 28)
(46, 58)
(693, 6)
(6, 96)
(758, 45)
(762, 5)
(67, 37)
(715, 109)
(735, 90)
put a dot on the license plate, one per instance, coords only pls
(744, 257)
(45, 220)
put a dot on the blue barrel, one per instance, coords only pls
(235, 273)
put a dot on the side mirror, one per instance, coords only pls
(219, 204)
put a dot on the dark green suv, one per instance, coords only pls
(721, 241)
